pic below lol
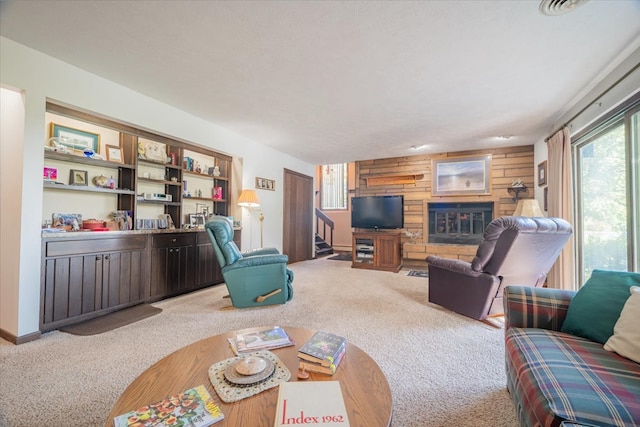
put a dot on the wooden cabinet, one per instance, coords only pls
(377, 250)
(208, 267)
(173, 264)
(84, 278)
(85, 275)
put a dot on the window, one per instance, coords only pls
(607, 189)
(334, 186)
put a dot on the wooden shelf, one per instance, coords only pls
(54, 155)
(393, 179)
(159, 181)
(85, 188)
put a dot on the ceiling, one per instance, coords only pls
(336, 81)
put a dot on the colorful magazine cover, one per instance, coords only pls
(191, 408)
(274, 337)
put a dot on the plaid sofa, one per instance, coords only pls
(557, 379)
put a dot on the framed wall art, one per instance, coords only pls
(78, 177)
(265, 184)
(460, 176)
(114, 154)
(75, 139)
(542, 174)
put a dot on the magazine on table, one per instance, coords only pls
(193, 407)
(265, 339)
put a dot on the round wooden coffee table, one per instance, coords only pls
(367, 395)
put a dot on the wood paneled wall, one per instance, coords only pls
(507, 164)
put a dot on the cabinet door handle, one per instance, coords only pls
(173, 240)
(107, 257)
(98, 258)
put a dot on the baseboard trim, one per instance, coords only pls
(19, 340)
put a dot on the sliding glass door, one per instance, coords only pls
(606, 168)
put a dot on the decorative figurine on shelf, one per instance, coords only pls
(517, 183)
(216, 171)
(413, 235)
(198, 169)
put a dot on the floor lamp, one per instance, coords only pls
(249, 199)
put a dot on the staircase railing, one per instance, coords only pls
(326, 222)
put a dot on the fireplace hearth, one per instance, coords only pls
(458, 223)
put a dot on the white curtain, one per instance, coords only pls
(560, 200)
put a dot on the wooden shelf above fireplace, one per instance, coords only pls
(393, 179)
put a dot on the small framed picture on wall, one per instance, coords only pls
(265, 184)
(542, 174)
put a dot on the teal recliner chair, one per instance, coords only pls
(253, 278)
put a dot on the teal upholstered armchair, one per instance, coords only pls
(253, 278)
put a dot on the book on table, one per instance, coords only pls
(323, 368)
(317, 403)
(193, 407)
(322, 348)
(265, 339)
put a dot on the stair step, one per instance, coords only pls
(324, 251)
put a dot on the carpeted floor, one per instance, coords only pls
(443, 369)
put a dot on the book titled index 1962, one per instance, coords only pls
(193, 408)
(312, 403)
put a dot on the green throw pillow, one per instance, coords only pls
(596, 307)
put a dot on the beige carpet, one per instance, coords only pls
(443, 369)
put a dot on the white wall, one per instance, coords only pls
(40, 77)
(612, 88)
(11, 135)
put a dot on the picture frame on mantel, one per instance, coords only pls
(461, 176)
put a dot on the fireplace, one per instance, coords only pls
(458, 223)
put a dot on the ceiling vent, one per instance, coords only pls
(559, 7)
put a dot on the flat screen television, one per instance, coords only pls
(377, 212)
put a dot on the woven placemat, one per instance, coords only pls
(229, 392)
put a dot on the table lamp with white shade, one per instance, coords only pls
(528, 207)
(249, 199)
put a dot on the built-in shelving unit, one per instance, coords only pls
(155, 176)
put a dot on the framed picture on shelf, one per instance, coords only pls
(78, 177)
(196, 220)
(461, 176)
(542, 174)
(265, 184)
(151, 150)
(75, 139)
(49, 173)
(114, 154)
